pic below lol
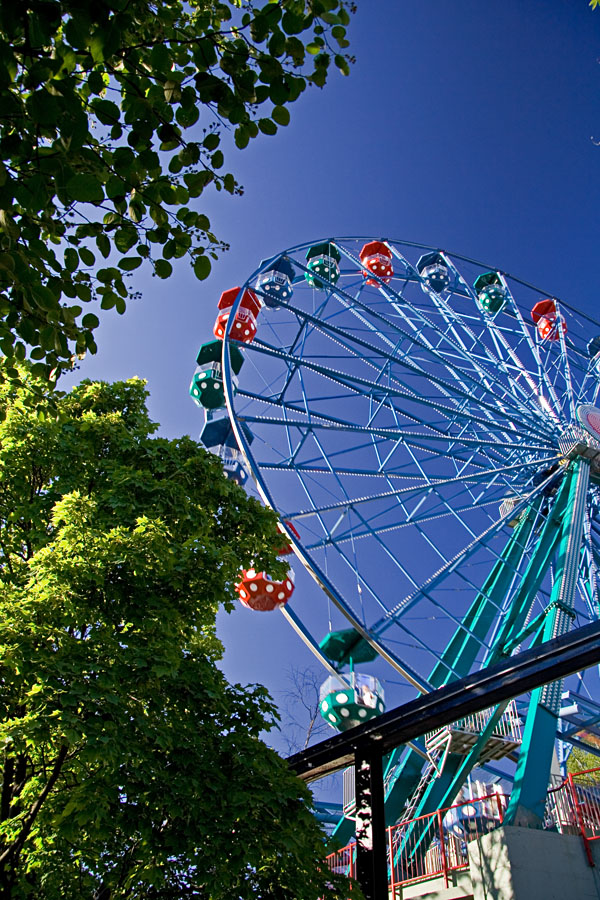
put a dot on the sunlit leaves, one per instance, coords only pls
(129, 764)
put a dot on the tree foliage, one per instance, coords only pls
(580, 761)
(111, 121)
(130, 767)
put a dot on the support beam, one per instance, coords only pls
(457, 660)
(365, 745)
(528, 796)
(371, 850)
(510, 678)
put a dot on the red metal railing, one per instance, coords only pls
(430, 846)
(574, 807)
(434, 845)
(343, 862)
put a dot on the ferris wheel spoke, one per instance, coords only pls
(452, 319)
(566, 370)
(449, 568)
(415, 340)
(432, 600)
(590, 386)
(424, 482)
(540, 370)
(391, 401)
(433, 443)
(480, 378)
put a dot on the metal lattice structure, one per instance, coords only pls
(418, 428)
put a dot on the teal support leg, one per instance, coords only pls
(458, 657)
(533, 577)
(462, 650)
(528, 797)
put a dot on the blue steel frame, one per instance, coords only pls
(438, 411)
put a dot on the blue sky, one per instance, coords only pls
(466, 126)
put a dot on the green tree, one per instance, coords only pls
(580, 761)
(130, 767)
(111, 122)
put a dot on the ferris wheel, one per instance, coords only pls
(426, 427)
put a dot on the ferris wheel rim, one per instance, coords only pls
(309, 563)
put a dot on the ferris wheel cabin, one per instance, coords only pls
(260, 592)
(491, 293)
(548, 320)
(323, 259)
(244, 326)
(206, 388)
(345, 704)
(376, 257)
(276, 283)
(433, 269)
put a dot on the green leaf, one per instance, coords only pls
(217, 159)
(281, 115)
(129, 263)
(277, 44)
(267, 126)
(342, 64)
(106, 111)
(90, 321)
(71, 259)
(109, 300)
(211, 141)
(83, 292)
(85, 189)
(103, 244)
(87, 257)
(125, 238)
(241, 137)
(292, 23)
(202, 267)
(163, 268)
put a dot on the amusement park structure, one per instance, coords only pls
(427, 429)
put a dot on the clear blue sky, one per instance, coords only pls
(463, 125)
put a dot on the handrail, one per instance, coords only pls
(573, 807)
(436, 844)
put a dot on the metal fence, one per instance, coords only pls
(574, 807)
(430, 846)
(343, 862)
(436, 845)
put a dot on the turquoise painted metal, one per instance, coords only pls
(528, 797)
(346, 647)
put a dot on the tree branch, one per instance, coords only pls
(11, 854)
